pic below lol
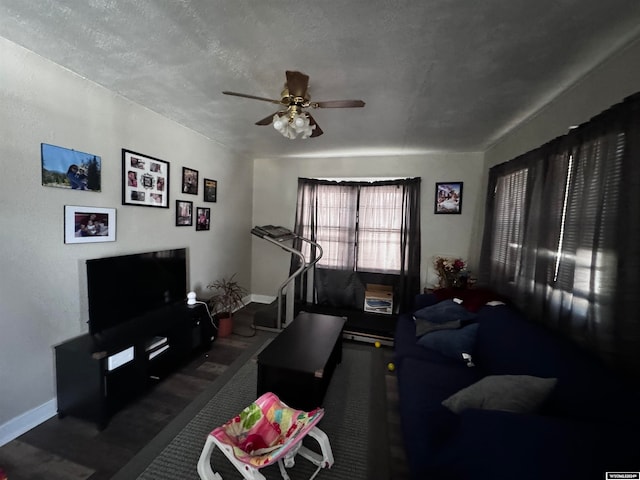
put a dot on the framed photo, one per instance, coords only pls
(89, 224)
(184, 213)
(203, 218)
(189, 181)
(65, 168)
(210, 190)
(145, 180)
(448, 198)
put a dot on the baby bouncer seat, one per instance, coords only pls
(265, 432)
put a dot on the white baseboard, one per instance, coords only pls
(26, 421)
(261, 298)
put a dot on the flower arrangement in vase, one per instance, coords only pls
(452, 272)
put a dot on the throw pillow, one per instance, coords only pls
(445, 311)
(511, 393)
(425, 326)
(472, 298)
(452, 343)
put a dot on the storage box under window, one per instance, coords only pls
(378, 299)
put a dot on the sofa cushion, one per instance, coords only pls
(509, 344)
(511, 393)
(452, 343)
(425, 326)
(492, 444)
(406, 345)
(472, 298)
(426, 424)
(445, 311)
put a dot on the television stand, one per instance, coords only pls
(96, 377)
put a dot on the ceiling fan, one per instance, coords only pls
(293, 121)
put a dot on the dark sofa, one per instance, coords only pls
(583, 424)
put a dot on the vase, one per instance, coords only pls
(225, 326)
(452, 280)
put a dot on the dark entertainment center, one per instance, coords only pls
(140, 329)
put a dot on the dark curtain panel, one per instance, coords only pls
(626, 327)
(562, 234)
(305, 217)
(410, 244)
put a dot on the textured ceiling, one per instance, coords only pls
(439, 75)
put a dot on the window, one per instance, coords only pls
(358, 226)
(508, 223)
(561, 233)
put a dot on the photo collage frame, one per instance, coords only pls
(145, 182)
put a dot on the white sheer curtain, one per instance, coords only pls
(380, 228)
(327, 215)
(336, 216)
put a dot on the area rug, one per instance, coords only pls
(355, 422)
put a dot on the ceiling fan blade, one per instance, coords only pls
(316, 131)
(297, 83)
(266, 120)
(338, 104)
(244, 95)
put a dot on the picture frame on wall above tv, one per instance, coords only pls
(89, 224)
(145, 180)
(184, 213)
(210, 190)
(67, 168)
(448, 198)
(189, 181)
(203, 219)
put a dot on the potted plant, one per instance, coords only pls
(228, 295)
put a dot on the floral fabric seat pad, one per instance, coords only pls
(266, 430)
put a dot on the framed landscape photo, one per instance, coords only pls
(448, 198)
(66, 168)
(145, 180)
(184, 213)
(89, 224)
(210, 190)
(203, 219)
(189, 181)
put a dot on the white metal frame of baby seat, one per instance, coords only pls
(285, 459)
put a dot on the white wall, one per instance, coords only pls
(274, 202)
(42, 283)
(607, 84)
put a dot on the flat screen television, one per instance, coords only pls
(125, 287)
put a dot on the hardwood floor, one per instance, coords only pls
(72, 449)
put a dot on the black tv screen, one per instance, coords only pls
(123, 288)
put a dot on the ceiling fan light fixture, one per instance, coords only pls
(279, 123)
(294, 122)
(295, 126)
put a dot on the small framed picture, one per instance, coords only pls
(184, 213)
(65, 168)
(189, 181)
(145, 180)
(448, 198)
(210, 190)
(89, 224)
(203, 218)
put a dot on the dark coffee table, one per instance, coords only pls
(297, 365)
